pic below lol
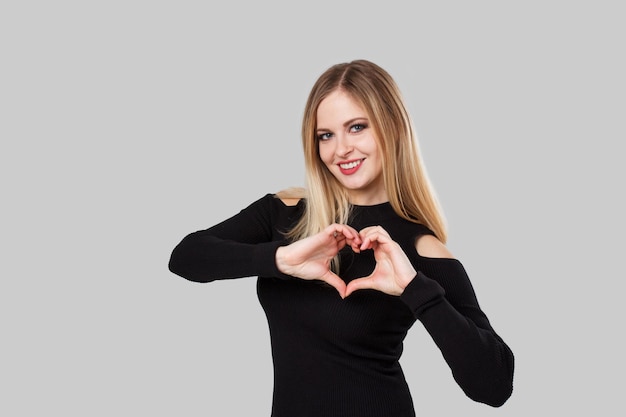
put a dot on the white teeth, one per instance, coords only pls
(350, 165)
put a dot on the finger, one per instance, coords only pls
(359, 284)
(351, 229)
(373, 235)
(341, 241)
(354, 242)
(353, 232)
(349, 233)
(336, 282)
(373, 229)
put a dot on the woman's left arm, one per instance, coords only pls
(441, 296)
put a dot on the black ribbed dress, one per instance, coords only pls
(338, 357)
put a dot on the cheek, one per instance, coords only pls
(326, 154)
(374, 151)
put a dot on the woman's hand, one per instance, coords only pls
(393, 270)
(310, 258)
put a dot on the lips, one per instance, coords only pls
(350, 167)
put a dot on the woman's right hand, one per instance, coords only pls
(309, 258)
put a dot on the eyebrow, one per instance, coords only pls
(345, 124)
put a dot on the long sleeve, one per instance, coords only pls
(338, 357)
(442, 298)
(241, 246)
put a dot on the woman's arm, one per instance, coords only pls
(442, 297)
(439, 293)
(241, 246)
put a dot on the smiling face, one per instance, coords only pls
(348, 147)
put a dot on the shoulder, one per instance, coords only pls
(270, 204)
(289, 202)
(269, 212)
(430, 247)
(291, 196)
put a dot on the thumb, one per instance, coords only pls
(359, 284)
(333, 279)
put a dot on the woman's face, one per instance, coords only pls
(347, 146)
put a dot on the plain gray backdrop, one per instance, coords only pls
(127, 124)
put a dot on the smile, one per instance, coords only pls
(350, 165)
(349, 168)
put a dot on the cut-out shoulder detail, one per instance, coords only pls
(290, 201)
(429, 246)
(296, 193)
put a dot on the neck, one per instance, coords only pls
(358, 199)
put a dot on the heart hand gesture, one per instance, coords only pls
(393, 270)
(309, 258)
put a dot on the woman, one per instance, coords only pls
(348, 265)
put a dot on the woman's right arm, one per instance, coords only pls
(241, 246)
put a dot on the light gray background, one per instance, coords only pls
(126, 125)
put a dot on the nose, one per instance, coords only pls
(344, 147)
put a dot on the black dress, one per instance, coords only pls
(337, 357)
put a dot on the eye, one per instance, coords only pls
(358, 127)
(324, 136)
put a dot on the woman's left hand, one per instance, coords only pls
(393, 271)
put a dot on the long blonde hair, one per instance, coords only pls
(406, 181)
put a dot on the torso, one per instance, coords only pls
(325, 347)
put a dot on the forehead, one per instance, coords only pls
(339, 106)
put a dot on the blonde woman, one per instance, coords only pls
(348, 264)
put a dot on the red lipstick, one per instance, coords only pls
(350, 167)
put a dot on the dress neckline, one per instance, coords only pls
(380, 210)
